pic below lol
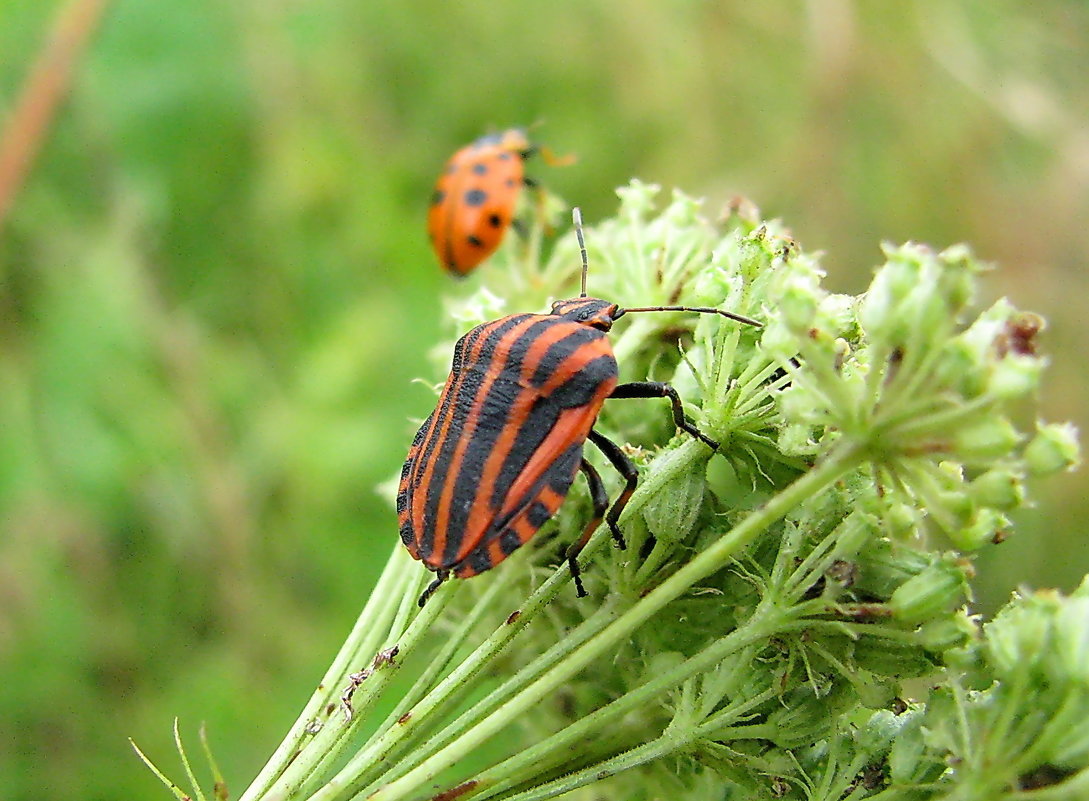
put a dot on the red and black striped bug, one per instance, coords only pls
(496, 458)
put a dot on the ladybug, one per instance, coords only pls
(475, 197)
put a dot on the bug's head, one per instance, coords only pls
(593, 312)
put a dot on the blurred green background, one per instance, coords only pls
(215, 289)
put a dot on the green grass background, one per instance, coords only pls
(216, 288)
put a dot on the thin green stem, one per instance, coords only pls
(670, 742)
(713, 558)
(329, 744)
(365, 637)
(453, 641)
(761, 627)
(465, 720)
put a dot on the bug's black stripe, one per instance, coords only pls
(404, 491)
(419, 468)
(494, 416)
(465, 395)
(579, 391)
(560, 351)
(559, 477)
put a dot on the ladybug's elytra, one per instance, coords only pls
(475, 198)
(497, 457)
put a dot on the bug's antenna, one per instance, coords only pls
(701, 309)
(576, 217)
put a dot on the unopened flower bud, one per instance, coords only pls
(955, 631)
(1054, 448)
(797, 306)
(1015, 376)
(677, 504)
(933, 592)
(1001, 488)
(984, 440)
(883, 566)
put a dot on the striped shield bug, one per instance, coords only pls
(496, 458)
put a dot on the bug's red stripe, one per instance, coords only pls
(464, 435)
(485, 521)
(482, 511)
(422, 478)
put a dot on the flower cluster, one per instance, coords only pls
(760, 635)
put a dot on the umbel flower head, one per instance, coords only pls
(754, 638)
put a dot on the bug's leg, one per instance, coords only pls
(659, 389)
(626, 469)
(440, 577)
(521, 226)
(600, 500)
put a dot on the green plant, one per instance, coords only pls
(762, 634)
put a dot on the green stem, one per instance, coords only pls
(671, 742)
(713, 558)
(365, 637)
(330, 743)
(492, 701)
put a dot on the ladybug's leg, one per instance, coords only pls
(659, 389)
(520, 226)
(630, 473)
(440, 577)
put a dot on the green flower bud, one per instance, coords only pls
(837, 313)
(1054, 448)
(1071, 641)
(902, 521)
(683, 211)
(983, 529)
(985, 440)
(884, 566)
(1015, 376)
(944, 634)
(1001, 488)
(933, 592)
(1018, 638)
(797, 440)
(797, 306)
(796, 405)
(677, 505)
(881, 730)
(961, 368)
(637, 199)
(893, 658)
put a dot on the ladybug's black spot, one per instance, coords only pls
(511, 182)
(474, 241)
(505, 156)
(480, 168)
(495, 221)
(438, 197)
(475, 197)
